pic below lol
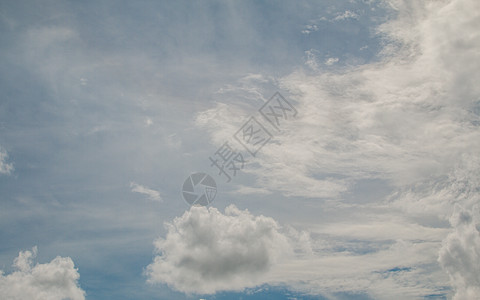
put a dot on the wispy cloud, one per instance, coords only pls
(330, 61)
(410, 121)
(310, 28)
(346, 15)
(248, 190)
(5, 167)
(152, 194)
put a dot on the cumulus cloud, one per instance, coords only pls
(152, 194)
(207, 251)
(5, 168)
(56, 280)
(460, 253)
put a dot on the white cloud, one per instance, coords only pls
(438, 195)
(248, 190)
(148, 122)
(246, 88)
(311, 59)
(376, 228)
(411, 121)
(310, 28)
(330, 61)
(404, 119)
(5, 168)
(400, 270)
(460, 254)
(206, 251)
(346, 15)
(173, 141)
(152, 194)
(56, 280)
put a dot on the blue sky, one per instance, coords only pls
(108, 106)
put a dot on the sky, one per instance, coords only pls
(364, 185)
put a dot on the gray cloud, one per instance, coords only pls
(206, 251)
(460, 253)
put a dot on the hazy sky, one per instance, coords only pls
(371, 191)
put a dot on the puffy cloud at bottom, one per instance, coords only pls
(460, 254)
(206, 251)
(57, 279)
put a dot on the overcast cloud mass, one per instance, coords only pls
(372, 190)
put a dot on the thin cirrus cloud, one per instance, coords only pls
(409, 122)
(397, 121)
(152, 194)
